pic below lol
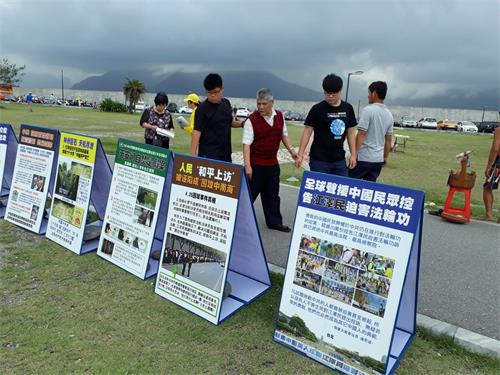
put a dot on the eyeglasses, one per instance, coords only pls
(214, 92)
(331, 93)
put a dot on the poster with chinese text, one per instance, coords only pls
(4, 140)
(133, 205)
(8, 151)
(32, 177)
(346, 271)
(71, 195)
(199, 233)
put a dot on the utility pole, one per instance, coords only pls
(62, 84)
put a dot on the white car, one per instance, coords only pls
(466, 127)
(140, 106)
(408, 123)
(243, 112)
(427, 122)
(185, 109)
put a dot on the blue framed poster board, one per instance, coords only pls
(8, 151)
(350, 291)
(76, 178)
(212, 261)
(132, 228)
(33, 177)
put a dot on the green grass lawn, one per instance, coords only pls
(61, 314)
(424, 165)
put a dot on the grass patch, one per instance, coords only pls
(62, 313)
(424, 165)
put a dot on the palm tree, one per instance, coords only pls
(133, 90)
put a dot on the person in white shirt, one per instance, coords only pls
(263, 132)
(373, 141)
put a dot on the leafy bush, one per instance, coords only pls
(108, 105)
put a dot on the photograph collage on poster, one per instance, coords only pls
(145, 205)
(354, 277)
(126, 237)
(200, 263)
(38, 183)
(67, 212)
(68, 179)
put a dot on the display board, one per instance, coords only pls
(350, 289)
(136, 196)
(78, 156)
(8, 151)
(207, 266)
(33, 177)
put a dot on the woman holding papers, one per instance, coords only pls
(157, 122)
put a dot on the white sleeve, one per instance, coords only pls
(364, 120)
(285, 129)
(248, 132)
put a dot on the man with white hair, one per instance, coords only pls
(263, 132)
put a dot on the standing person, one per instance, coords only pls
(263, 132)
(211, 136)
(190, 263)
(156, 117)
(29, 100)
(373, 141)
(331, 121)
(192, 101)
(492, 174)
(183, 260)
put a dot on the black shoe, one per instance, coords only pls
(280, 227)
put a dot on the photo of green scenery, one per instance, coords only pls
(67, 212)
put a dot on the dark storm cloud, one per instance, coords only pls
(422, 48)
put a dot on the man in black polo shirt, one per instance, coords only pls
(211, 136)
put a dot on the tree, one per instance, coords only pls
(133, 90)
(10, 73)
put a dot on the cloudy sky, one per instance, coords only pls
(442, 52)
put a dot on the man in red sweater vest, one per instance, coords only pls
(263, 132)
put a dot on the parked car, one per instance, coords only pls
(467, 127)
(294, 116)
(408, 122)
(427, 122)
(172, 107)
(242, 112)
(185, 109)
(446, 125)
(487, 126)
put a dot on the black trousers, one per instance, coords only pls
(266, 182)
(365, 170)
(164, 142)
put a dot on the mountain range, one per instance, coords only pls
(238, 84)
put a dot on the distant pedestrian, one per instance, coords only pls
(183, 260)
(492, 174)
(332, 121)
(29, 100)
(373, 141)
(192, 101)
(190, 263)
